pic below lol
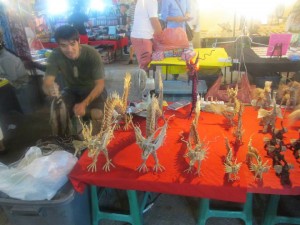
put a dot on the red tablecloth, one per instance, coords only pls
(118, 44)
(50, 45)
(212, 183)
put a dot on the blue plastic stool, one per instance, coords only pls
(245, 214)
(135, 212)
(271, 216)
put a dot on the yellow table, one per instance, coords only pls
(209, 58)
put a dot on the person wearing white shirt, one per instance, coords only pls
(146, 25)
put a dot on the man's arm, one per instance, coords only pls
(79, 109)
(178, 19)
(156, 25)
(48, 84)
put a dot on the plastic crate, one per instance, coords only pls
(108, 56)
(179, 87)
(66, 208)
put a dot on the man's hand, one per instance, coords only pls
(53, 90)
(79, 109)
(50, 87)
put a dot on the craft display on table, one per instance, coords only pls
(97, 144)
(281, 166)
(262, 96)
(268, 117)
(115, 109)
(234, 103)
(255, 162)
(238, 131)
(154, 136)
(122, 108)
(192, 69)
(291, 92)
(284, 95)
(232, 167)
(230, 109)
(229, 173)
(275, 147)
(276, 141)
(295, 147)
(197, 148)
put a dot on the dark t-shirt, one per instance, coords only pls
(89, 67)
(77, 20)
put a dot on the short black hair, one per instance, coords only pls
(66, 32)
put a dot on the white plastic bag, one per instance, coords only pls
(36, 177)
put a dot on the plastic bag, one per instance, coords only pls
(219, 92)
(36, 177)
(171, 38)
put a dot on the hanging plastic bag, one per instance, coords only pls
(36, 177)
(171, 38)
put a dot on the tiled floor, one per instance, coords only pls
(167, 209)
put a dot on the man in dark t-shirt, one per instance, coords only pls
(82, 72)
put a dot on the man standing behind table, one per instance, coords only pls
(175, 13)
(82, 71)
(146, 26)
(79, 21)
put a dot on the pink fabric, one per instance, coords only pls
(158, 55)
(171, 38)
(143, 51)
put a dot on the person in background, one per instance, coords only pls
(131, 19)
(124, 24)
(11, 66)
(194, 22)
(175, 13)
(82, 71)
(79, 21)
(146, 26)
(13, 75)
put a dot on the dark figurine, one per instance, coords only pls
(193, 76)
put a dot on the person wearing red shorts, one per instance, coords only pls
(146, 25)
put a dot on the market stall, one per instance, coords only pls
(212, 182)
